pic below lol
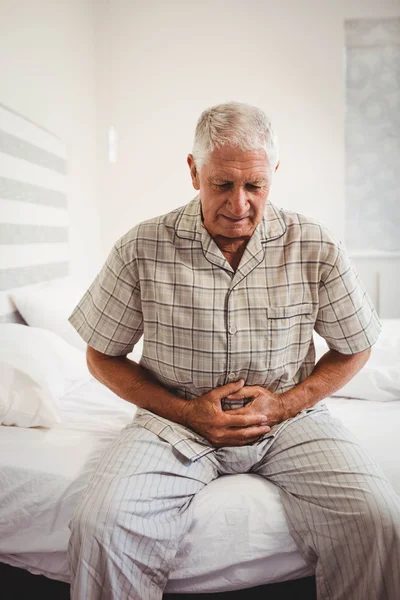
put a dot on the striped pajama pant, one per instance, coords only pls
(342, 512)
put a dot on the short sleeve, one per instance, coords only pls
(109, 315)
(346, 316)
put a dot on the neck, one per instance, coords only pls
(232, 249)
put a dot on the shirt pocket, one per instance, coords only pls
(289, 332)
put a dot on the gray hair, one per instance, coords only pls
(234, 124)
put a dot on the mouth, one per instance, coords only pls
(232, 220)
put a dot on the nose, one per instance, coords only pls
(238, 203)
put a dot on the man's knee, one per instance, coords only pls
(376, 515)
(384, 513)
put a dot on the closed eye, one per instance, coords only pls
(249, 186)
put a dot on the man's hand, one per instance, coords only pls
(332, 372)
(224, 428)
(264, 402)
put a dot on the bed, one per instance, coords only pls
(58, 419)
(44, 470)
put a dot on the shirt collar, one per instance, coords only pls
(189, 225)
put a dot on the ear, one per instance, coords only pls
(277, 166)
(193, 172)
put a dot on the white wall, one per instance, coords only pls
(163, 63)
(77, 66)
(47, 73)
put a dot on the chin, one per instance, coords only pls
(237, 232)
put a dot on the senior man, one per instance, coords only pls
(226, 291)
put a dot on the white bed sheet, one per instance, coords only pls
(44, 472)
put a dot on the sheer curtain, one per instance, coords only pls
(372, 136)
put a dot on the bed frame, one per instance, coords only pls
(34, 248)
(23, 585)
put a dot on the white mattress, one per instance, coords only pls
(239, 537)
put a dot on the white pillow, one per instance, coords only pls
(49, 304)
(43, 356)
(379, 379)
(24, 402)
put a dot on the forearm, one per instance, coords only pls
(330, 374)
(136, 385)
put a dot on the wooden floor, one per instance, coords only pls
(16, 584)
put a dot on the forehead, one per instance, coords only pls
(228, 162)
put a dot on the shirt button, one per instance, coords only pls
(232, 330)
(232, 376)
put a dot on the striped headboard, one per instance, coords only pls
(33, 208)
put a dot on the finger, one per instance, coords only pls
(248, 391)
(244, 436)
(253, 433)
(245, 420)
(237, 396)
(248, 409)
(228, 388)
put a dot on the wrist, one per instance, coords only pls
(285, 407)
(184, 413)
(293, 401)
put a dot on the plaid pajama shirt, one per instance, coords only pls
(205, 325)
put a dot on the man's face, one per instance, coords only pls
(234, 188)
